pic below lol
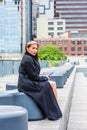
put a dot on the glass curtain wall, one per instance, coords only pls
(28, 11)
(10, 26)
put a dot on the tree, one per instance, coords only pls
(50, 52)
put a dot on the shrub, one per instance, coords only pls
(50, 52)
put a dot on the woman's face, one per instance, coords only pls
(33, 49)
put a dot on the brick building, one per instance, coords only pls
(71, 46)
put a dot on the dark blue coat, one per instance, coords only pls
(37, 87)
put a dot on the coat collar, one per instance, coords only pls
(35, 57)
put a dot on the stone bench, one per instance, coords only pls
(13, 97)
(13, 118)
(64, 99)
(11, 86)
(60, 74)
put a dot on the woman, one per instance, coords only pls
(38, 87)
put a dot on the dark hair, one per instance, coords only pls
(29, 44)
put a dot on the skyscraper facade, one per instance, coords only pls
(28, 13)
(26, 22)
(15, 25)
(74, 12)
(35, 15)
(10, 26)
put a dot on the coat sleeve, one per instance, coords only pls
(32, 73)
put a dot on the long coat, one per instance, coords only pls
(37, 87)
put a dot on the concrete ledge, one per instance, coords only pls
(6, 99)
(13, 118)
(66, 95)
(60, 74)
(64, 100)
(11, 86)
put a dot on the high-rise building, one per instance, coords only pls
(46, 7)
(28, 13)
(48, 28)
(15, 25)
(74, 12)
(26, 22)
(47, 25)
(35, 14)
(10, 26)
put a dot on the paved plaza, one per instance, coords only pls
(78, 113)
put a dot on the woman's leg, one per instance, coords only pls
(54, 88)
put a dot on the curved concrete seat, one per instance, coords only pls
(59, 79)
(34, 112)
(6, 99)
(13, 97)
(13, 118)
(11, 86)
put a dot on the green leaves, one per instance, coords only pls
(50, 52)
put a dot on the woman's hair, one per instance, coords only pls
(29, 44)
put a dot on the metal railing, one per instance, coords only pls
(8, 67)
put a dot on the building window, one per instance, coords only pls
(48, 42)
(51, 33)
(50, 28)
(72, 48)
(59, 23)
(72, 42)
(72, 54)
(50, 23)
(41, 43)
(85, 48)
(65, 42)
(16, 2)
(79, 42)
(59, 28)
(85, 42)
(65, 49)
(60, 49)
(54, 42)
(57, 14)
(79, 48)
(79, 54)
(60, 42)
(54, 2)
(76, 35)
(59, 33)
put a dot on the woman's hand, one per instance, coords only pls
(48, 77)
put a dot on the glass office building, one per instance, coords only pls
(74, 12)
(26, 22)
(10, 26)
(28, 11)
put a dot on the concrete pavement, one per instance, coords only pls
(78, 113)
(64, 100)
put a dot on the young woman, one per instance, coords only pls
(38, 87)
